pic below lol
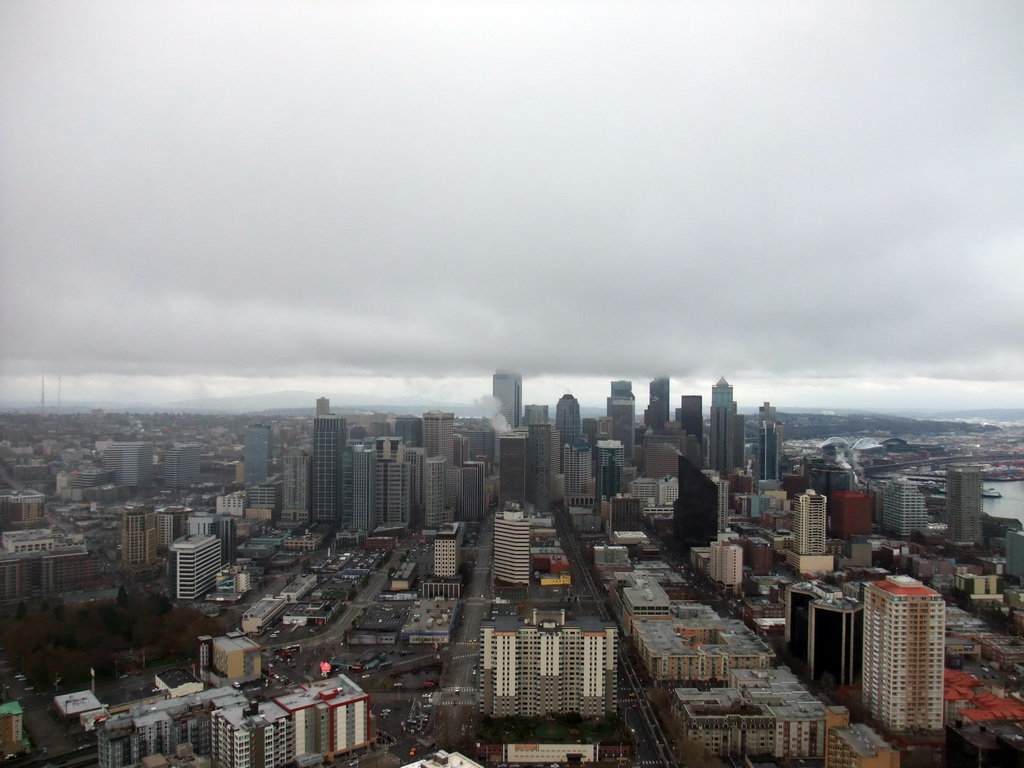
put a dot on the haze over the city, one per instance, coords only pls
(387, 201)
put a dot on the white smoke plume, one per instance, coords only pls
(492, 406)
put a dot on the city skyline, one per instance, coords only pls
(461, 396)
(395, 204)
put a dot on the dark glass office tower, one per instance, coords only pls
(567, 419)
(410, 429)
(330, 434)
(690, 416)
(769, 440)
(725, 447)
(622, 412)
(695, 512)
(656, 415)
(538, 467)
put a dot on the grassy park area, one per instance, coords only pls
(557, 729)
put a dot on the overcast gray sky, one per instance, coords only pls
(821, 201)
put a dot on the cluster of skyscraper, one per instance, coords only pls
(360, 484)
(533, 449)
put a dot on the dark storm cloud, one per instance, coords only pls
(784, 191)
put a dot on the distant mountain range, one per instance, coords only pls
(297, 402)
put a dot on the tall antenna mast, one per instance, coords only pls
(42, 392)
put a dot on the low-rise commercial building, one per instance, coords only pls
(299, 588)
(698, 650)
(768, 713)
(262, 614)
(229, 658)
(12, 733)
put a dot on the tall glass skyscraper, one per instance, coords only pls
(610, 461)
(538, 467)
(769, 439)
(963, 504)
(567, 419)
(259, 454)
(358, 488)
(410, 429)
(725, 449)
(656, 415)
(507, 388)
(690, 415)
(330, 434)
(622, 412)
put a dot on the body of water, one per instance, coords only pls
(1012, 503)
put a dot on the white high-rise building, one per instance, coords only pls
(223, 527)
(645, 489)
(295, 493)
(903, 509)
(258, 735)
(392, 495)
(904, 654)
(550, 665)
(439, 435)
(323, 719)
(435, 479)
(577, 466)
(332, 717)
(726, 565)
(132, 463)
(808, 552)
(657, 491)
(233, 504)
(138, 536)
(809, 523)
(181, 465)
(447, 552)
(507, 389)
(361, 509)
(723, 505)
(193, 562)
(512, 547)
(668, 491)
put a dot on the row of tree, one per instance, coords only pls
(64, 643)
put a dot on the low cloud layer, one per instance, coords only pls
(306, 192)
